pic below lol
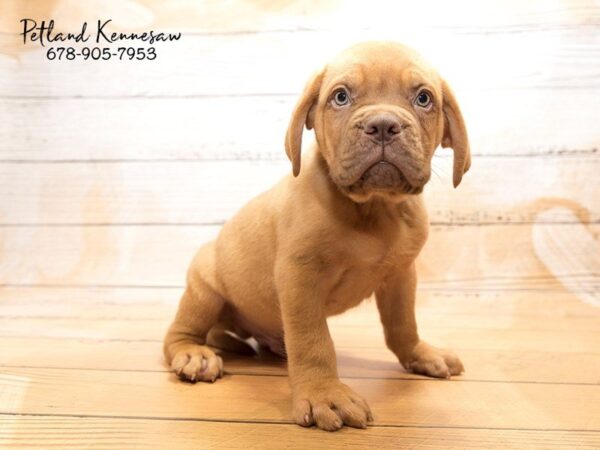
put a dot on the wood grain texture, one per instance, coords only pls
(394, 402)
(556, 249)
(121, 433)
(224, 128)
(543, 301)
(450, 334)
(132, 328)
(150, 318)
(214, 16)
(521, 344)
(496, 190)
(503, 365)
(252, 64)
(528, 369)
(475, 259)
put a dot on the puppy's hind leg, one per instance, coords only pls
(185, 343)
(222, 338)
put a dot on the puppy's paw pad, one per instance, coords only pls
(197, 363)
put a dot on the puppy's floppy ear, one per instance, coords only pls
(303, 115)
(455, 134)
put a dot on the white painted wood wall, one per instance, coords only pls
(113, 173)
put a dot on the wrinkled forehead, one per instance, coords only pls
(380, 68)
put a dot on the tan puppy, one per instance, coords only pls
(347, 225)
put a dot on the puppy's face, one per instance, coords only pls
(379, 112)
(378, 121)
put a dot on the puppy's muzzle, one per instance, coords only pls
(387, 161)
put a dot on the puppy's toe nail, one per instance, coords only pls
(338, 424)
(306, 419)
(362, 426)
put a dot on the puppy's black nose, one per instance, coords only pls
(382, 127)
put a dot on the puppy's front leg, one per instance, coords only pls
(318, 396)
(396, 303)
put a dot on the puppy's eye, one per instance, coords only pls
(423, 99)
(341, 97)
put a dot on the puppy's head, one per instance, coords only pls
(379, 112)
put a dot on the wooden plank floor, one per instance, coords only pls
(88, 372)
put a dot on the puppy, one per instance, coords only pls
(349, 224)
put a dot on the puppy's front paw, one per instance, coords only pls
(434, 362)
(197, 363)
(330, 405)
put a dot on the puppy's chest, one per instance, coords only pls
(364, 261)
(352, 285)
(357, 275)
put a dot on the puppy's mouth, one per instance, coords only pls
(384, 176)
